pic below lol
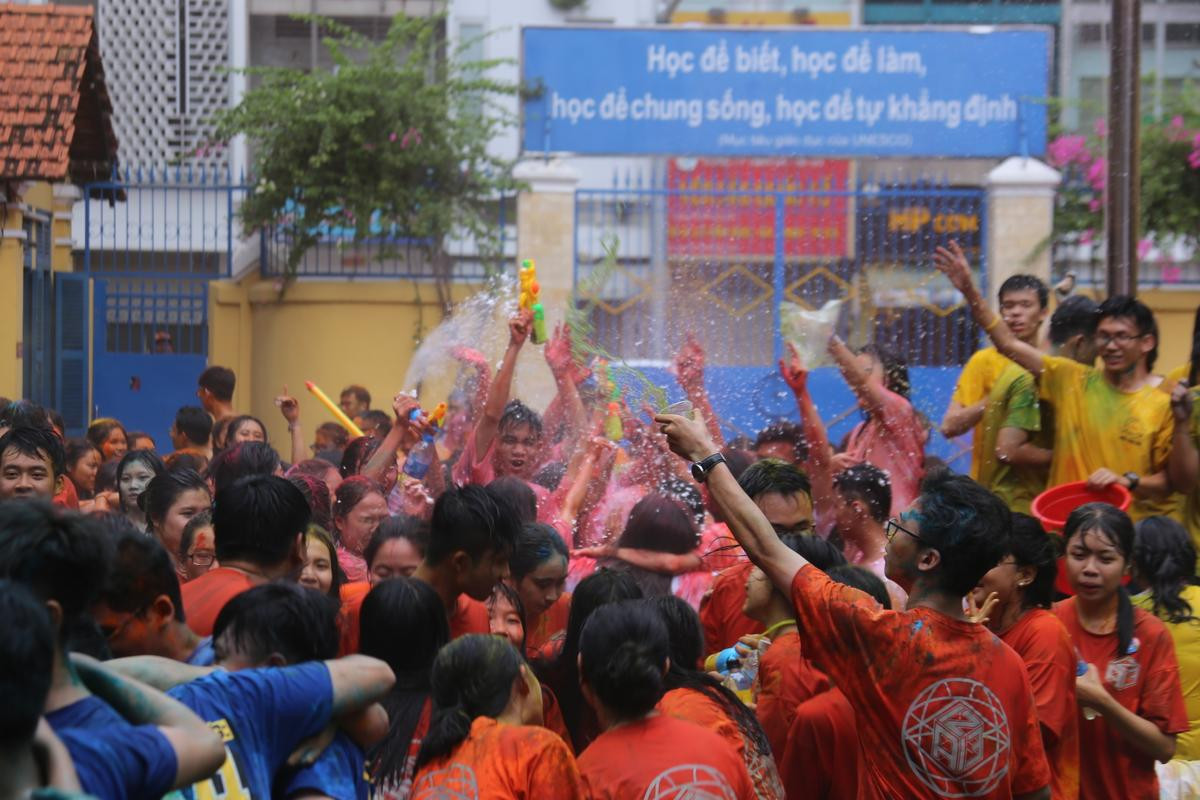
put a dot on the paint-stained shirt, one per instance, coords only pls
(501, 762)
(1096, 425)
(663, 757)
(944, 708)
(1045, 646)
(894, 441)
(548, 625)
(1144, 680)
(974, 383)
(337, 773)
(1013, 403)
(821, 759)
(785, 680)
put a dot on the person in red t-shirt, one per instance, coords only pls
(258, 527)
(624, 655)
(402, 623)
(944, 707)
(485, 730)
(472, 535)
(1022, 585)
(1129, 696)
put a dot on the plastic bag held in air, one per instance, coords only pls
(810, 331)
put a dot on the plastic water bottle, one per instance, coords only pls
(741, 679)
(719, 662)
(1081, 669)
(418, 461)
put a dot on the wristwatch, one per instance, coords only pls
(1134, 479)
(701, 469)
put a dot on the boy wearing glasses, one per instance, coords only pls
(1111, 424)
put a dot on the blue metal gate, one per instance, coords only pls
(716, 256)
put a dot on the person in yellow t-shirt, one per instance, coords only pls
(1023, 306)
(1111, 425)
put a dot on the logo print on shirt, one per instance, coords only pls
(1132, 431)
(956, 738)
(1123, 673)
(455, 782)
(690, 782)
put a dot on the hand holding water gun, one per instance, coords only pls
(529, 299)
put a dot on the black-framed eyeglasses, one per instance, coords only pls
(1121, 338)
(203, 558)
(115, 633)
(893, 526)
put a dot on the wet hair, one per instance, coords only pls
(141, 571)
(412, 529)
(376, 421)
(772, 476)
(472, 677)
(784, 431)
(297, 623)
(1031, 546)
(314, 531)
(59, 555)
(895, 369)
(147, 459)
(821, 553)
(686, 494)
(550, 475)
(195, 424)
(516, 493)
(514, 599)
(59, 424)
(536, 544)
(862, 579)
(1166, 563)
(186, 459)
(41, 443)
(411, 606)
(314, 467)
(100, 429)
(624, 647)
(517, 413)
(197, 523)
(24, 414)
(257, 519)
(76, 450)
(239, 422)
(316, 492)
(220, 381)
(1122, 306)
(360, 394)
(1117, 528)
(472, 519)
(357, 454)
(338, 435)
(869, 485)
(242, 460)
(659, 523)
(26, 661)
(1076, 315)
(351, 492)
(1025, 283)
(686, 639)
(966, 524)
(164, 489)
(562, 674)
(106, 477)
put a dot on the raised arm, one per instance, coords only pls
(820, 452)
(489, 421)
(404, 433)
(558, 358)
(690, 439)
(689, 371)
(473, 359)
(1183, 466)
(869, 393)
(199, 750)
(290, 408)
(952, 263)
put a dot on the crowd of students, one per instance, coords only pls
(567, 606)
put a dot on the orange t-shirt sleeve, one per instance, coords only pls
(552, 772)
(1048, 672)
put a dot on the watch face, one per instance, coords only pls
(698, 473)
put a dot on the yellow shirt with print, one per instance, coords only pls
(1186, 636)
(975, 381)
(1097, 425)
(1013, 403)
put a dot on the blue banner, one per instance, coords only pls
(737, 92)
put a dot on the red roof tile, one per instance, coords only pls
(44, 52)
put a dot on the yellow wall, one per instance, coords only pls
(1175, 312)
(332, 333)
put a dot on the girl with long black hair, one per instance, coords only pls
(1128, 692)
(700, 698)
(485, 730)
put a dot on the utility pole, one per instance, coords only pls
(1122, 207)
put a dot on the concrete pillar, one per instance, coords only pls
(546, 233)
(1020, 220)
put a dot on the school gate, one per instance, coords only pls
(714, 247)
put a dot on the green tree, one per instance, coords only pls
(393, 141)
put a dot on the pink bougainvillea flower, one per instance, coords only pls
(1101, 127)
(1068, 150)
(1088, 236)
(1143, 249)
(392, 136)
(1097, 174)
(1172, 273)
(412, 137)
(1094, 205)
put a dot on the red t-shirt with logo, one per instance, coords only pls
(721, 610)
(943, 707)
(662, 756)
(785, 680)
(1044, 645)
(821, 757)
(1146, 682)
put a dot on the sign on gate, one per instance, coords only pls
(869, 92)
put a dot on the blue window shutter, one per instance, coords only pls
(71, 320)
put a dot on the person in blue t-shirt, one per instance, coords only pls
(141, 609)
(141, 742)
(275, 689)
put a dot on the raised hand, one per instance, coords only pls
(952, 263)
(519, 327)
(793, 371)
(558, 350)
(980, 614)
(288, 406)
(469, 356)
(687, 437)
